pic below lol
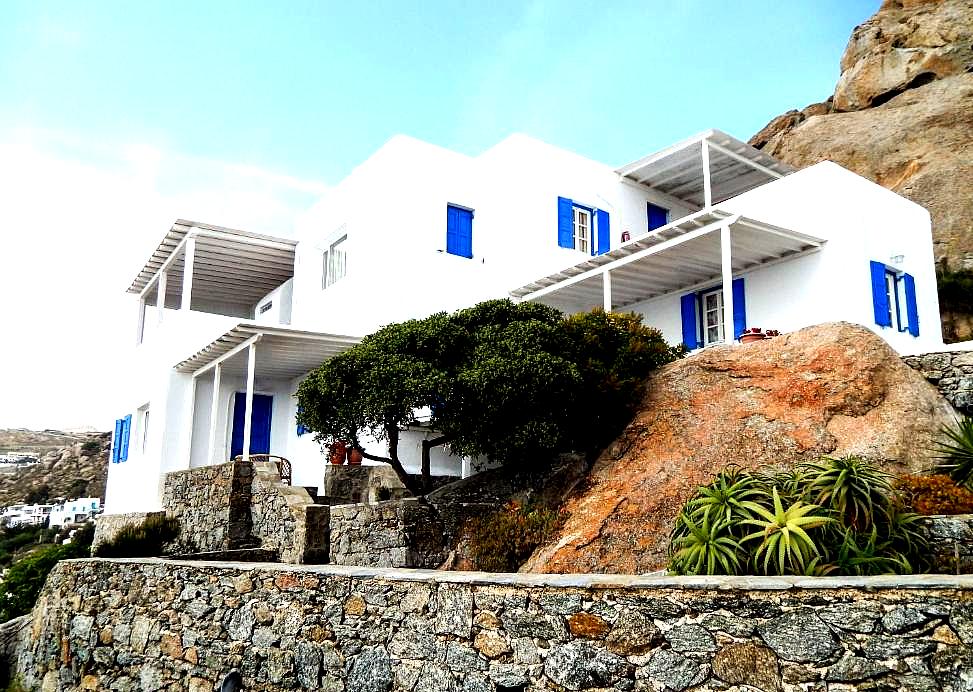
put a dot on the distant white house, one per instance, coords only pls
(26, 515)
(705, 239)
(75, 511)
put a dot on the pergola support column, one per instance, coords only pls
(248, 415)
(214, 414)
(727, 269)
(707, 183)
(606, 285)
(160, 299)
(187, 273)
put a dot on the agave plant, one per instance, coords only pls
(954, 456)
(785, 542)
(706, 548)
(865, 554)
(853, 487)
(724, 500)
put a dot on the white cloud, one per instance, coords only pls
(79, 219)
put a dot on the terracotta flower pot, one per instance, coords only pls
(747, 338)
(354, 457)
(338, 451)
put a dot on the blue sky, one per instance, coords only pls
(118, 117)
(311, 88)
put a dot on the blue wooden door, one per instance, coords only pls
(259, 424)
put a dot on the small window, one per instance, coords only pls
(335, 263)
(658, 216)
(265, 307)
(712, 317)
(582, 229)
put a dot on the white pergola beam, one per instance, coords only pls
(733, 155)
(229, 354)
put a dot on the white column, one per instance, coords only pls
(606, 286)
(190, 407)
(247, 418)
(187, 274)
(141, 321)
(160, 299)
(707, 186)
(727, 267)
(214, 412)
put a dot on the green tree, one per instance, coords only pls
(515, 382)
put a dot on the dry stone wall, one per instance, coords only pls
(397, 533)
(212, 504)
(950, 542)
(951, 373)
(127, 625)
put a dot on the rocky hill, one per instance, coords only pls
(901, 115)
(832, 389)
(69, 465)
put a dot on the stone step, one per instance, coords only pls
(236, 555)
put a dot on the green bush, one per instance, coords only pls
(91, 448)
(834, 516)
(140, 540)
(24, 580)
(502, 541)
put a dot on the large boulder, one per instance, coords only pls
(902, 116)
(834, 389)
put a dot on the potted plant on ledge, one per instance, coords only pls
(757, 334)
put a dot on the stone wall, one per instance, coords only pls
(212, 504)
(398, 533)
(951, 373)
(951, 542)
(107, 526)
(285, 519)
(127, 625)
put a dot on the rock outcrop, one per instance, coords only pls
(833, 389)
(901, 115)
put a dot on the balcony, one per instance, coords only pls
(216, 271)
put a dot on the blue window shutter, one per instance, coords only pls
(880, 301)
(565, 223)
(604, 232)
(911, 309)
(126, 432)
(459, 231)
(116, 442)
(658, 216)
(688, 304)
(739, 308)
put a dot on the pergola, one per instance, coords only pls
(224, 265)
(285, 353)
(706, 169)
(696, 250)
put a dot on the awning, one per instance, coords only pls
(734, 168)
(282, 352)
(679, 256)
(229, 265)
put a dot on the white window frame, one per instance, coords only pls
(721, 328)
(582, 233)
(334, 262)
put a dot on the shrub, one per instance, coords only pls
(25, 579)
(502, 541)
(835, 516)
(955, 454)
(936, 494)
(91, 447)
(140, 540)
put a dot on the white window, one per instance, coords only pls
(582, 229)
(144, 427)
(712, 317)
(335, 263)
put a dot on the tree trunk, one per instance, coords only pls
(393, 461)
(427, 445)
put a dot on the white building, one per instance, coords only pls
(706, 236)
(75, 511)
(26, 515)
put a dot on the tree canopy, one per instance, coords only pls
(518, 383)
